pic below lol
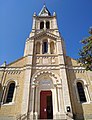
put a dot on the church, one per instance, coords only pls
(45, 83)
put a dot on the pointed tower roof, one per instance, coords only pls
(44, 11)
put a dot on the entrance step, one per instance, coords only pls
(60, 116)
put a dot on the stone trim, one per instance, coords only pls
(5, 91)
(36, 75)
(76, 68)
(85, 86)
(17, 70)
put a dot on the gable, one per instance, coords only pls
(44, 34)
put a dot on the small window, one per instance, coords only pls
(47, 24)
(45, 47)
(41, 25)
(10, 92)
(81, 92)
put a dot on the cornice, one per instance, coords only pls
(44, 17)
(76, 69)
(46, 55)
(15, 68)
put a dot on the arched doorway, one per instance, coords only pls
(46, 108)
(45, 101)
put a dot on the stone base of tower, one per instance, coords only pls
(57, 116)
(60, 116)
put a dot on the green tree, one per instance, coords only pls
(86, 52)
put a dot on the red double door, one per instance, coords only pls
(46, 109)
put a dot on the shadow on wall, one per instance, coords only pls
(76, 105)
(1, 92)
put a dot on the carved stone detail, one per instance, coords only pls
(45, 60)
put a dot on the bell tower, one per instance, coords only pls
(46, 55)
(43, 23)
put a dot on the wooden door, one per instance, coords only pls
(46, 111)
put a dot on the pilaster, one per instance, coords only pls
(48, 46)
(26, 90)
(41, 47)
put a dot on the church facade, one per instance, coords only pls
(45, 83)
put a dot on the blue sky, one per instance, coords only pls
(74, 19)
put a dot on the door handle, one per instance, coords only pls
(44, 109)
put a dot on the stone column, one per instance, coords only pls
(31, 109)
(59, 98)
(54, 97)
(50, 24)
(60, 114)
(41, 47)
(44, 25)
(36, 103)
(86, 93)
(3, 95)
(34, 24)
(26, 90)
(48, 46)
(55, 48)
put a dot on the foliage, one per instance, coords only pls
(86, 53)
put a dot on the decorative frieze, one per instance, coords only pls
(43, 61)
(48, 68)
(46, 60)
(76, 69)
(13, 72)
(15, 68)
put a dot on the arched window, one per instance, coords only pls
(45, 47)
(38, 48)
(9, 92)
(81, 92)
(52, 47)
(41, 25)
(47, 24)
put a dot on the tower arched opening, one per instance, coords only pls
(41, 25)
(47, 24)
(45, 46)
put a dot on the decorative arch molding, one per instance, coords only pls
(85, 86)
(52, 74)
(6, 87)
(10, 81)
(80, 80)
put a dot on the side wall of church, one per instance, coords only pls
(15, 72)
(76, 74)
